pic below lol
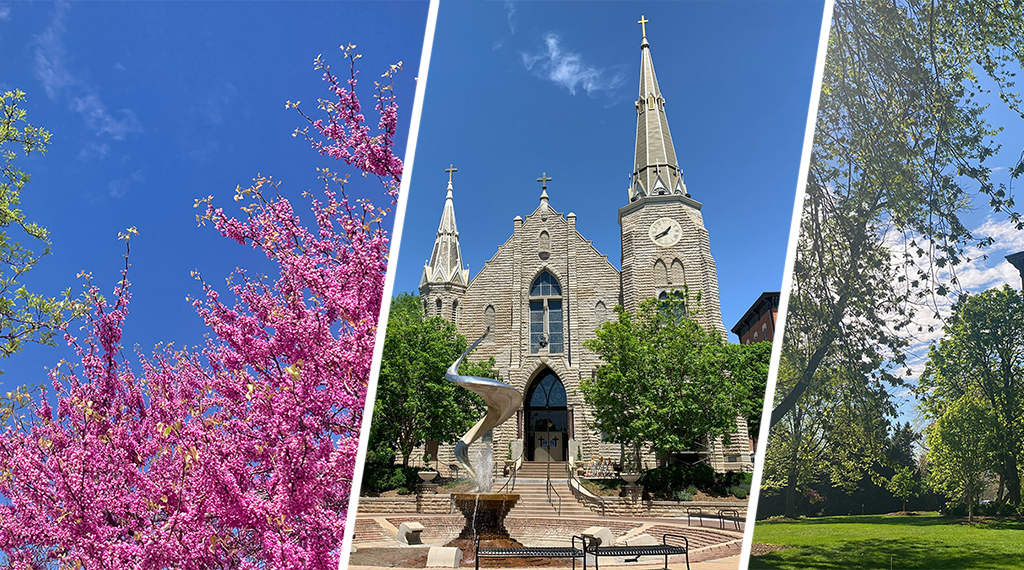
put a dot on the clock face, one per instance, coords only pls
(665, 232)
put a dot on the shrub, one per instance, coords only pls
(381, 477)
(683, 495)
(666, 480)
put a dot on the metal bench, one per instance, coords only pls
(735, 513)
(694, 511)
(590, 547)
(664, 549)
(534, 552)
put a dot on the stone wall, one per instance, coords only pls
(422, 503)
(387, 505)
(621, 506)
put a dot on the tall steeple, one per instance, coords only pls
(655, 169)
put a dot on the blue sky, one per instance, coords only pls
(520, 88)
(153, 105)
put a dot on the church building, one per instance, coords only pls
(546, 290)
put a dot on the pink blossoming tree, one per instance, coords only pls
(239, 454)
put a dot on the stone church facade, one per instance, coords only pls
(546, 290)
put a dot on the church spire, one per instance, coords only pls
(655, 168)
(445, 265)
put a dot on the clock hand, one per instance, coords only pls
(664, 233)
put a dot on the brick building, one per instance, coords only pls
(758, 323)
(546, 289)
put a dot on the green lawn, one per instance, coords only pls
(866, 542)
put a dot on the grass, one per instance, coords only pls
(927, 541)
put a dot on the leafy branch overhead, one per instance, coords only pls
(24, 316)
(902, 149)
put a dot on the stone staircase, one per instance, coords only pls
(531, 486)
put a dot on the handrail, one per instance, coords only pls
(577, 490)
(549, 488)
(512, 476)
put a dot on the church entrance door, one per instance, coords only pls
(547, 423)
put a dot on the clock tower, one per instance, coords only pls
(665, 246)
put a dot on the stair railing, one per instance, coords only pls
(551, 489)
(580, 493)
(512, 476)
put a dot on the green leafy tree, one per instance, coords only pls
(836, 431)
(900, 153)
(900, 150)
(900, 448)
(749, 365)
(982, 355)
(665, 380)
(414, 402)
(960, 449)
(24, 316)
(902, 484)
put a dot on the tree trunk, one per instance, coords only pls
(793, 475)
(791, 493)
(1012, 479)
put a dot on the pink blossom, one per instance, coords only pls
(239, 454)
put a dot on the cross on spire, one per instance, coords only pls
(544, 179)
(450, 170)
(643, 25)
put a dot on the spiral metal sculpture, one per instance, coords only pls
(502, 402)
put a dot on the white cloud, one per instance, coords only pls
(49, 56)
(94, 150)
(568, 69)
(207, 151)
(51, 69)
(119, 188)
(5, 11)
(219, 98)
(97, 118)
(986, 268)
(510, 9)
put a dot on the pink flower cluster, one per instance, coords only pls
(239, 455)
(347, 136)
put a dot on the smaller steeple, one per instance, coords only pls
(445, 265)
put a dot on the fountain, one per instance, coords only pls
(484, 511)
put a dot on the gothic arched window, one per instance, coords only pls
(546, 314)
(455, 311)
(438, 313)
(660, 273)
(673, 305)
(489, 317)
(676, 276)
(600, 313)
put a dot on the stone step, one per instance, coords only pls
(533, 496)
(540, 469)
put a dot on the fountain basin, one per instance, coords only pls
(485, 514)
